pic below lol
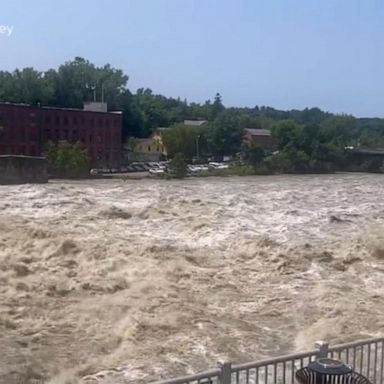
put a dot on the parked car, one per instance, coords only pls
(214, 165)
(156, 171)
(193, 168)
(197, 168)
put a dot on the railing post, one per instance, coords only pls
(322, 347)
(225, 373)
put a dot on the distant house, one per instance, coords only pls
(148, 149)
(260, 137)
(153, 148)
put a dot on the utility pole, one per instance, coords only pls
(92, 88)
(197, 147)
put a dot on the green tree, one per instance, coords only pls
(371, 139)
(341, 130)
(25, 86)
(226, 133)
(287, 133)
(178, 166)
(254, 155)
(75, 81)
(185, 140)
(217, 106)
(65, 156)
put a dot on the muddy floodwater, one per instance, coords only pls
(133, 281)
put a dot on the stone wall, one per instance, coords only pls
(23, 169)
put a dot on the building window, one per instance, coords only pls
(82, 120)
(75, 121)
(65, 120)
(57, 120)
(149, 148)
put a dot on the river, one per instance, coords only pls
(146, 279)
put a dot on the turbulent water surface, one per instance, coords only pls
(134, 281)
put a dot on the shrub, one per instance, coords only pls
(178, 166)
(65, 156)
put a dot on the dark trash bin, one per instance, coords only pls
(329, 371)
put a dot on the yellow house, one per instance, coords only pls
(157, 138)
(148, 149)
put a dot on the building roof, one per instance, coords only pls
(258, 132)
(53, 108)
(195, 123)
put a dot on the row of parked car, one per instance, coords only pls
(157, 168)
(133, 167)
(192, 168)
(206, 167)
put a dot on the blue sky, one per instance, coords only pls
(281, 53)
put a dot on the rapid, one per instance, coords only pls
(113, 281)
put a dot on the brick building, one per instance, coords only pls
(25, 130)
(261, 138)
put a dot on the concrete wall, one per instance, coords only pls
(23, 169)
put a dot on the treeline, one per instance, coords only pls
(307, 139)
(80, 80)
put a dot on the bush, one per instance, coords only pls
(253, 155)
(178, 166)
(65, 156)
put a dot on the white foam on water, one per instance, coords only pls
(161, 278)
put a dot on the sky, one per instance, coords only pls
(287, 54)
